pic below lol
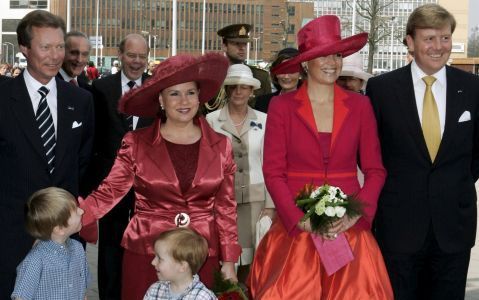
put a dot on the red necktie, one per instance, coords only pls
(74, 82)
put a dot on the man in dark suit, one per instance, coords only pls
(4, 78)
(109, 130)
(46, 134)
(77, 51)
(428, 122)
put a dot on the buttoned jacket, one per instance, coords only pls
(293, 155)
(419, 192)
(143, 163)
(248, 153)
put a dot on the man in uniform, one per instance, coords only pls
(235, 42)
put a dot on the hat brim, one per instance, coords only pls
(346, 47)
(356, 73)
(208, 71)
(239, 40)
(235, 80)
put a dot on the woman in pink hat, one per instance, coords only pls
(181, 170)
(318, 134)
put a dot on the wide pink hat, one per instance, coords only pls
(321, 37)
(208, 71)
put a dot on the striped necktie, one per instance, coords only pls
(129, 119)
(46, 128)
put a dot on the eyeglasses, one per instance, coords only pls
(139, 56)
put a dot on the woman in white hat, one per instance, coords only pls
(352, 77)
(245, 127)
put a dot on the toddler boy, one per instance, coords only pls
(179, 254)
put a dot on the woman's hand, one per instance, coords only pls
(228, 270)
(270, 212)
(305, 226)
(340, 226)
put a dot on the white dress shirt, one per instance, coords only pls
(33, 86)
(125, 88)
(439, 89)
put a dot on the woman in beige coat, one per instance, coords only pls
(245, 127)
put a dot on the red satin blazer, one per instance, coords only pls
(143, 163)
(293, 156)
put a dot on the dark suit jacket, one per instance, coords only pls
(110, 127)
(4, 78)
(24, 167)
(81, 79)
(262, 102)
(417, 192)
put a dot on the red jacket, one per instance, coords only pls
(293, 157)
(143, 163)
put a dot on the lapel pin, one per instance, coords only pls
(70, 108)
(459, 91)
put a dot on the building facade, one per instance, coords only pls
(275, 24)
(391, 53)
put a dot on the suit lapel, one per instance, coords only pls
(23, 111)
(454, 104)
(65, 119)
(142, 121)
(116, 94)
(206, 156)
(165, 166)
(404, 92)
(305, 110)
(340, 113)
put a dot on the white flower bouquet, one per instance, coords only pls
(326, 204)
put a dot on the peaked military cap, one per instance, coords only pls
(236, 33)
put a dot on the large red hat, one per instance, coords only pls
(321, 37)
(208, 71)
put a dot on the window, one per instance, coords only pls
(35, 4)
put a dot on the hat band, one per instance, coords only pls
(312, 43)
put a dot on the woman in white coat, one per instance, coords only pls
(245, 127)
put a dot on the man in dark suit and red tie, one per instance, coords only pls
(46, 134)
(110, 128)
(77, 52)
(428, 123)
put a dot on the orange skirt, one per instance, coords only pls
(287, 267)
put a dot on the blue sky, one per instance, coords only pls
(473, 13)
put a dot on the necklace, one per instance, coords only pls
(240, 123)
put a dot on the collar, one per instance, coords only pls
(55, 247)
(194, 282)
(125, 80)
(225, 114)
(67, 77)
(418, 74)
(34, 85)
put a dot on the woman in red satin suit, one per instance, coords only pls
(181, 170)
(320, 133)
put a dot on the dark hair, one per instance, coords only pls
(74, 33)
(283, 55)
(37, 18)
